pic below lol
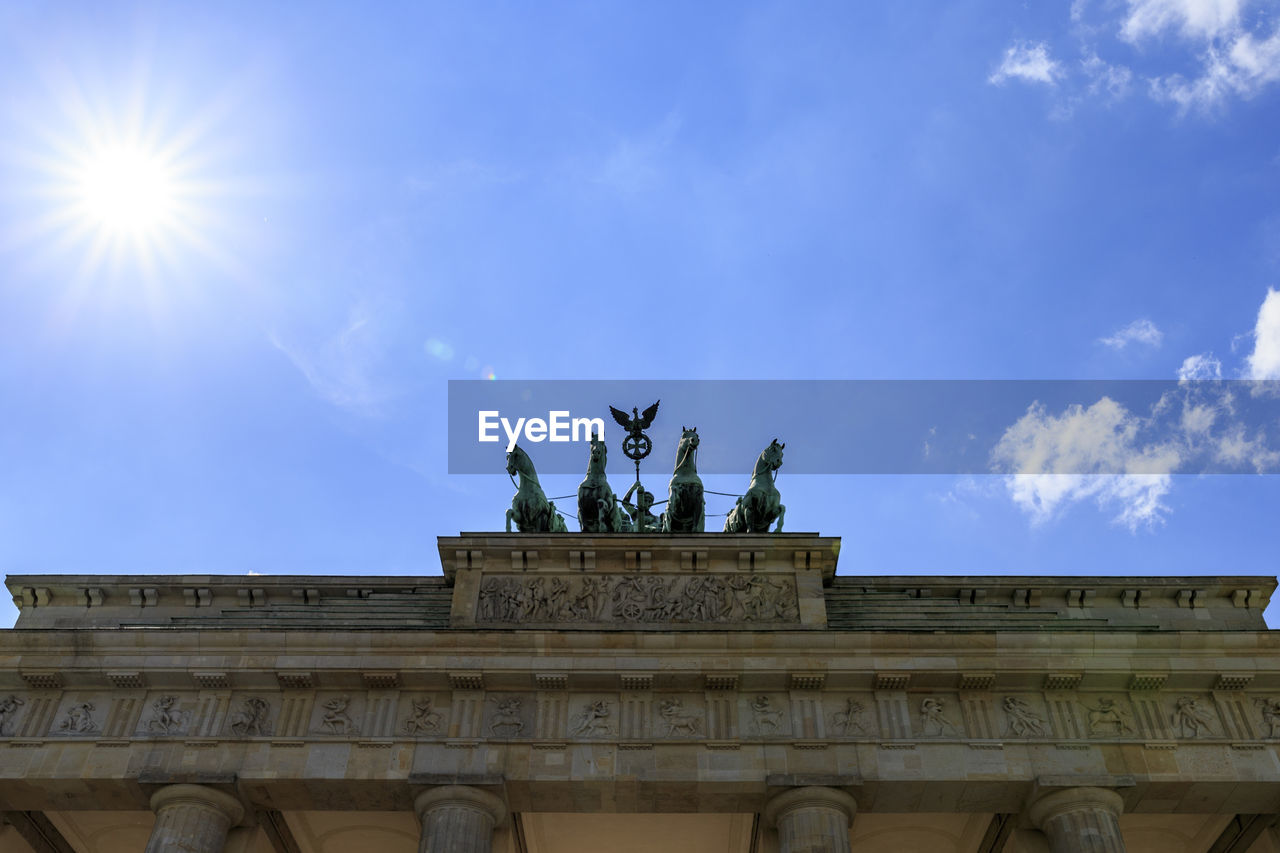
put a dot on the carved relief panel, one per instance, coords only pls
(167, 714)
(11, 706)
(337, 713)
(251, 715)
(508, 716)
(423, 715)
(766, 715)
(637, 599)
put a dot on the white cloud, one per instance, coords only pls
(1196, 19)
(1220, 53)
(341, 369)
(1243, 68)
(1264, 361)
(1028, 62)
(1141, 331)
(1136, 499)
(1202, 366)
(1086, 454)
(1114, 80)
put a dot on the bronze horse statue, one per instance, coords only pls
(530, 509)
(686, 507)
(762, 504)
(598, 510)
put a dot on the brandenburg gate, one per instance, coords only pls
(570, 692)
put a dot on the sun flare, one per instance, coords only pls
(127, 189)
(127, 192)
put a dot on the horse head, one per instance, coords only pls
(772, 455)
(687, 446)
(599, 455)
(518, 462)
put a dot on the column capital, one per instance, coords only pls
(461, 796)
(1066, 800)
(813, 797)
(199, 796)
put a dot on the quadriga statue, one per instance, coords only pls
(530, 509)
(598, 510)
(686, 507)
(762, 504)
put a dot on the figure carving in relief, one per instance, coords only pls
(672, 713)
(425, 718)
(847, 719)
(166, 716)
(590, 603)
(637, 598)
(79, 719)
(507, 718)
(593, 721)
(1189, 718)
(1270, 708)
(1107, 719)
(533, 602)
(8, 711)
(335, 720)
(933, 722)
(558, 599)
(766, 715)
(1023, 721)
(252, 718)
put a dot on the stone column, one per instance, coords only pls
(458, 819)
(811, 820)
(192, 819)
(1080, 820)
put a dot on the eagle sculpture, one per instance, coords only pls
(635, 422)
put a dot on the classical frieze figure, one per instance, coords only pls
(166, 718)
(8, 712)
(1189, 718)
(336, 720)
(676, 720)
(847, 721)
(933, 722)
(593, 720)
(1106, 718)
(1270, 710)
(78, 719)
(507, 721)
(1023, 720)
(768, 719)
(425, 719)
(252, 717)
(638, 599)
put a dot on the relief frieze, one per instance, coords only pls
(9, 713)
(637, 599)
(78, 719)
(166, 717)
(766, 718)
(1022, 719)
(252, 719)
(1062, 717)
(424, 719)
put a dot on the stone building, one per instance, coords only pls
(569, 693)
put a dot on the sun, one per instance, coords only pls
(126, 191)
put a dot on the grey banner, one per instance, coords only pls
(879, 426)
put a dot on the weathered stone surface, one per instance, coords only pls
(192, 819)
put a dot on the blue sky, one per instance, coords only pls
(361, 203)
